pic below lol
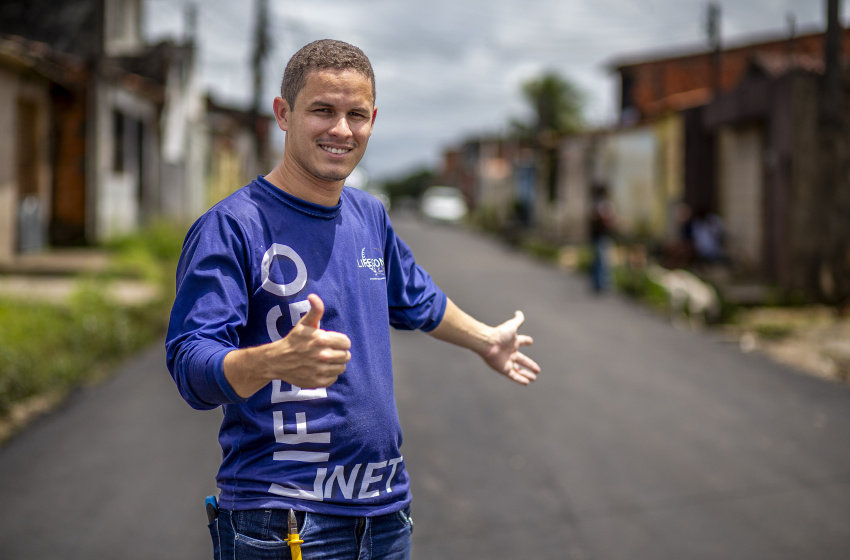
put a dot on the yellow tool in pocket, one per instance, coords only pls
(293, 539)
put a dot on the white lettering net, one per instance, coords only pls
(376, 478)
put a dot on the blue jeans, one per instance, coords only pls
(260, 534)
(600, 271)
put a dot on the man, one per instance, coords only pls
(602, 223)
(285, 294)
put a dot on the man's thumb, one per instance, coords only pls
(317, 310)
(518, 319)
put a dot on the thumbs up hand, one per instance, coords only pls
(307, 357)
(313, 357)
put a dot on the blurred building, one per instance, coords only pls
(232, 159)
(107, 132)
(654, 84)
(496, 175)
(732, 132)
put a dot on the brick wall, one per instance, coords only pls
(647, 84)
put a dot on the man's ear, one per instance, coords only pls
(282, 113)
(374, 114)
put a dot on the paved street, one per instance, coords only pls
(639, 441)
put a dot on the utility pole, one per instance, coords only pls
(832, 78)
(190, 23)
(262, 46)
(712, 29)
(831, 270)
(792, 36)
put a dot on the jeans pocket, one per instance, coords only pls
(251, 548)
(256, 538)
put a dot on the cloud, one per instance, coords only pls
(447, 69)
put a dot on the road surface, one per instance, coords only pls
(639, 441)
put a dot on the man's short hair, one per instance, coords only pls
(322, 55)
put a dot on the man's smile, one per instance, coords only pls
(332, 150)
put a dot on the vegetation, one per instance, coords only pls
(48, 348)
(409, 186)
(557, 104)
(541, 249)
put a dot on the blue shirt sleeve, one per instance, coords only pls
(210, 307)
(415, 301)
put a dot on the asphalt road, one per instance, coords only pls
(639, 441)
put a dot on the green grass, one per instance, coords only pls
(541, 249)
(637, 284)
(50, 348)
(777, 332)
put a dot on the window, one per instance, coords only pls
(118, 140)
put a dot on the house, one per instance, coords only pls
(683, 83)
(747, 119)
(734, 132)
(109, 131)
(31, 77)
(498, 178)
(767, 157)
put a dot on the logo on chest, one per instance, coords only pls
(374, 262)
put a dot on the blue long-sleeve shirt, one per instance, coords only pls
(247, 267)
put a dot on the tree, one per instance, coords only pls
(411, 185)
(557, 104)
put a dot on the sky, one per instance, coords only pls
(449, 70)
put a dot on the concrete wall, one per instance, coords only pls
(741, 157)
(574, 188)
(670, 137)
(629, 167)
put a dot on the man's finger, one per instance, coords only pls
(523, 370)
(333, 356)
(317, 311)
(518, 378)
(525, 362)
(524, 340)
(335, 340)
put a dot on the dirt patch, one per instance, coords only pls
(24, 413)
(813, 340)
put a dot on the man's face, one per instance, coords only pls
(327, 132)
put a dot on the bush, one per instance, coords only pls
(541, 249)
(51, 348)
(148, 254)
(637, 284)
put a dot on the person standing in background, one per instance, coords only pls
(602, 222)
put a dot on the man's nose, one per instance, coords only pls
(341, 128)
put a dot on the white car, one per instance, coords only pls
(444, 204)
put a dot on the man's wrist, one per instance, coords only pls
(243, 371)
